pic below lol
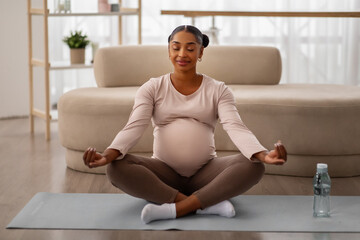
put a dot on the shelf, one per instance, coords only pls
(68, 65)
(47, 114)
(200, 13)
(122, 12)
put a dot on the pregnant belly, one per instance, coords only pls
(185, 145)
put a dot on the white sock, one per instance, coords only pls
(153, 212)
(224, 208)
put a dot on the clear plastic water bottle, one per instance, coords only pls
(322, 186)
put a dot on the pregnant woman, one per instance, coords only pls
(184, 175)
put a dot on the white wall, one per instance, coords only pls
(14, 87)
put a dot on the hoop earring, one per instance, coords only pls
(199, 59)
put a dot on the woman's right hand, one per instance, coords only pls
(93, 159)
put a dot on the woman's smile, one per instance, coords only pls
(182, 62)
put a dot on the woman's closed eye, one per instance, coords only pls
(188, 49)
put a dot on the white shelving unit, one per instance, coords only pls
(45, 63)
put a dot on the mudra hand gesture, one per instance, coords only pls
(277, 156)
(93, 159)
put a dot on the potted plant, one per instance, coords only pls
(77, 41)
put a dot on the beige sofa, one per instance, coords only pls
(317, 123)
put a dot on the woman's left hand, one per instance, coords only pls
(278, 156)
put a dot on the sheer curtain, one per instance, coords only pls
(314, 50)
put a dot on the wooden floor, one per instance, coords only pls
(29, 164)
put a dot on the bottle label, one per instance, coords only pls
(321, 190)
(321, 186)
(317, 190)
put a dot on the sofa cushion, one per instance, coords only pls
(249, 65)
(140, 62)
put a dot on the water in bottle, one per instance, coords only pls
(322, 186)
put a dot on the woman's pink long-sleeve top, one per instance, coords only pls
(184, 124)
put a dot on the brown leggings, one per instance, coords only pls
(151, 179)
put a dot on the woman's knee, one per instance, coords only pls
(252, 171)
(114, 170)
(118, 170)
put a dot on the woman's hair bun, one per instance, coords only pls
(205, 40)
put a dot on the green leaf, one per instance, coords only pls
(76, 40)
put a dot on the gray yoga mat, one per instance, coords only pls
(120, 211)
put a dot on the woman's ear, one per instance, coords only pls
(201, 52)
